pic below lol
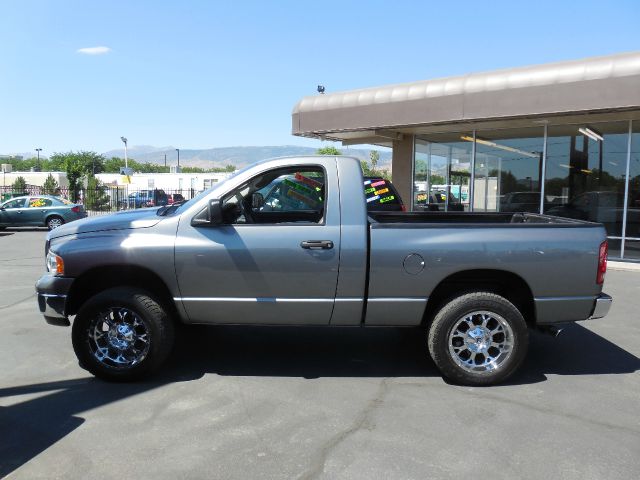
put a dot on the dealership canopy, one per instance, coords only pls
(382, 114)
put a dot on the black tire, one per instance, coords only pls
(449, 347)
(54, 221)
(150, 318)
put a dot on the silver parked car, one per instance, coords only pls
(39, 211)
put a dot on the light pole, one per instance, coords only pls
(126, 160)
(38, 167)
(178, 150)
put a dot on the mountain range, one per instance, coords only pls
(236, 156)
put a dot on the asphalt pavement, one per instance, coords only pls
(286, 403)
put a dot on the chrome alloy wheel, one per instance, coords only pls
(118, 338)
(480, 342)
(54, 223)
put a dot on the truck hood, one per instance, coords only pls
(131, 219)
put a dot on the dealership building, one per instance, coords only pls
(561, 138)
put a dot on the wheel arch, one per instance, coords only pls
(501, 282)
(101, 278)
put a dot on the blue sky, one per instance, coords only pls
(204, 74)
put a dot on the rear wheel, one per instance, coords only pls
(122, 334)
(54, 222)
(479, 338)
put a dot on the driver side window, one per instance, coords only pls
(285, 195)
(18, 203)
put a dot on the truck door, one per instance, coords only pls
(275, 258)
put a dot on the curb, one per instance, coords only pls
(623, 266)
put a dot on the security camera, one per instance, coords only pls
(320, 89)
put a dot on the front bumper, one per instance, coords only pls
(602, 305)
(52, 295)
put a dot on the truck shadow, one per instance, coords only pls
(314, 352)
(53, 410)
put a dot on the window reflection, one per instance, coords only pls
(585, 173)
(632, 247)
(442, 169)
(507, 170)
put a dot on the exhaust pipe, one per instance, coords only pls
(550, 330)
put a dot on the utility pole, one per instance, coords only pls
(178, 150)
(165, 160)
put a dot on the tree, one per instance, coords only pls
(50, 186)
(20, 185)
(366, 171)
(96, 197)
(374, 156)
(79, 165)
(372, 170)
(328, 150)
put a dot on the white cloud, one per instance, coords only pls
(94, 50)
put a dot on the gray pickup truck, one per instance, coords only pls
(289, 241)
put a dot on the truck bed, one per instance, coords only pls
(412, 253)
(381, 219)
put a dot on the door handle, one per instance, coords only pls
(317, 244)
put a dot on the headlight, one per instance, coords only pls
(55, 265)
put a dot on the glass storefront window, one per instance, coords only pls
(442, 169)
(585, 173)
(507, 170)
(632, 244)
(632, 250)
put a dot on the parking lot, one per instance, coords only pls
(241, 403)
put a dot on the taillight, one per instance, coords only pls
(75, 209)
(602, 262)
(404, 209)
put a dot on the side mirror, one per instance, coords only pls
(212, 215)
(257, 201)
(215, 212)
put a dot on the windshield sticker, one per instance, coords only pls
(380, 192)
(304, 199)
(387, 199)
(37, 202)
(298, 186)
(377, 184)
(309, 181)
(373, 199)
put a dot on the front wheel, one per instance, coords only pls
(122, 334)
(479, 338)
